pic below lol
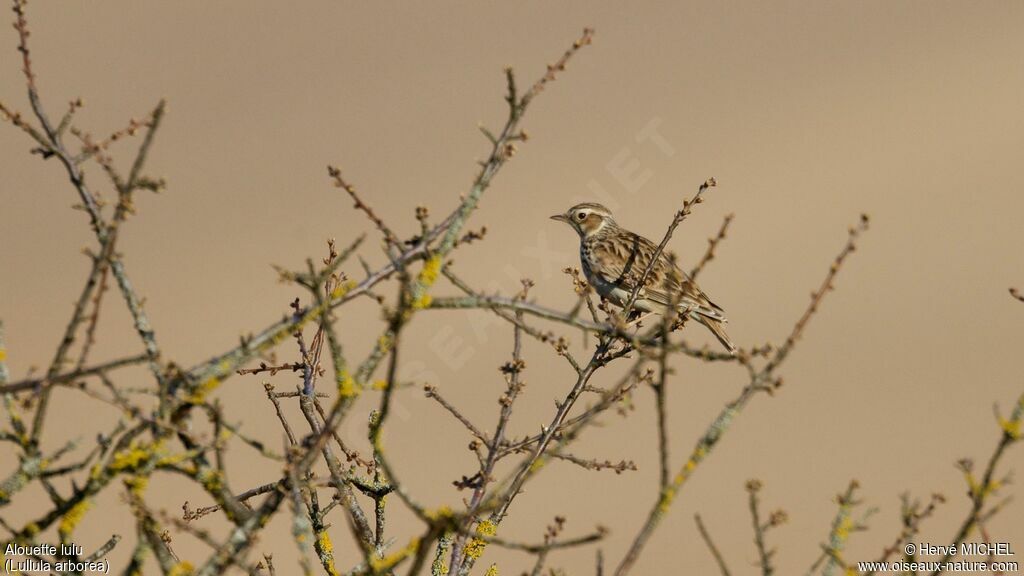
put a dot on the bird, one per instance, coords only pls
(614, 259)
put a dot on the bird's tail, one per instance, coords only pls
(715, 326)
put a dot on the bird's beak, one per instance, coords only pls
(560, 218)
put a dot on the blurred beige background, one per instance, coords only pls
(806, 113)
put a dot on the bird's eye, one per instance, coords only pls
(581, 216)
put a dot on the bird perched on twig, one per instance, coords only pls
(614, 260)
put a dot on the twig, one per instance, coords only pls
(842, 526)
(340, 182)
(980, 492)
(595, 464)
(706, 536)
(713, 243)
(758, 382)
(911, 515)
(4, 373)
(431, 392)
(660, 397)
(827, 285)
(596, 536)
(513, 370)
(269, 388)
(765, 555)
(67, 377)
(676, 220)
(104, 233)
(103, 550)
(94, 317)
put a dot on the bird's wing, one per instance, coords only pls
(624, 259)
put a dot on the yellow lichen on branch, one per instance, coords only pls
(431, 270)
(475, 547)
(347, 385)
(71, 518)
(325, 549)
(133, 457)
(391, 560)
(182, 569)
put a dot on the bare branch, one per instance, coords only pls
(706, 536)
(713, 243)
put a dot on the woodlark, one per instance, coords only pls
(615, 259)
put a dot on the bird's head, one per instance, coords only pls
(586, 219)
